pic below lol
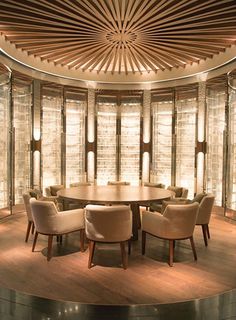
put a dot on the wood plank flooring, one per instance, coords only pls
(148, 279)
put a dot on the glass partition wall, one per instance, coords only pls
(186, 119)
(162, 126)
(75, 113)
(174, 116)
(51, 128)
(216, 99)
(231, 156)
(5, 90)
(118, 138)
(63, 145)
(22, 133)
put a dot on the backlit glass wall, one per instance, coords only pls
(106, 139)
(51, 127)
(162, 116)
(215, 102)
(231, 183)
(186, 116)
(4, 138)
(130, 140)
(75, 106)
(22, 101)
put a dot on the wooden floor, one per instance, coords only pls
(147, 280)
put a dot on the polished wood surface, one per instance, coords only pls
(115, 194)
(148, 279)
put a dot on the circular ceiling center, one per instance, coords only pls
(121, 37)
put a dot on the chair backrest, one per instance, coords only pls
(180, 192)
(35, 193)
(44, 213)
(118, 183)
(79, 184)
(26, 199)
(108, 223)
(205, 209)
(182, 219)
(52, 190)
(155, 185)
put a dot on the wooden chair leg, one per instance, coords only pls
(204, 231)
(123, 254)
(32, 230)
(82, 237)
(129, 247)
(28, 230)
(35, 240)
(50, 238)
(171, 252)
(208, 231)
(143, 242)
(91, 252)
(193, 248)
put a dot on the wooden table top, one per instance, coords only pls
(115, 194)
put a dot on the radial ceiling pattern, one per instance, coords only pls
(119, 36)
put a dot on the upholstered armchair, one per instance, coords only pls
(206, 202)
(176, 223)
(37, 194)
(51, 194)
(30, 225)
(180, 193)
(48, 221)
(111, 224)
(118, 183)
(204, 215)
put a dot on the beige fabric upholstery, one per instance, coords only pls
(177, 222)
(26, 199)
(118, 183)
(180, 193)
(205, 209)
(108, 224)
(50, 222)
(53, 189)
(51, 195)
(79, 184)
(155, 185)
(204, 215)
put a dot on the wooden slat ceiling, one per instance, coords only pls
(120, 36)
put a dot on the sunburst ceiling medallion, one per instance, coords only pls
(119, 36)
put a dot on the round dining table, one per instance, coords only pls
(134, 196)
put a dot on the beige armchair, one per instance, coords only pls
(180, 193)
(204, 215)
(30, 226)
(51, 194)
(37, 194)
(110, 224)
(206, 202)
(118, 183)
(176, 223)
(48, 221)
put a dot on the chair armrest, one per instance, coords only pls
(68, 221)
(154, 223)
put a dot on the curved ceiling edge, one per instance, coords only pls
(25, 68)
